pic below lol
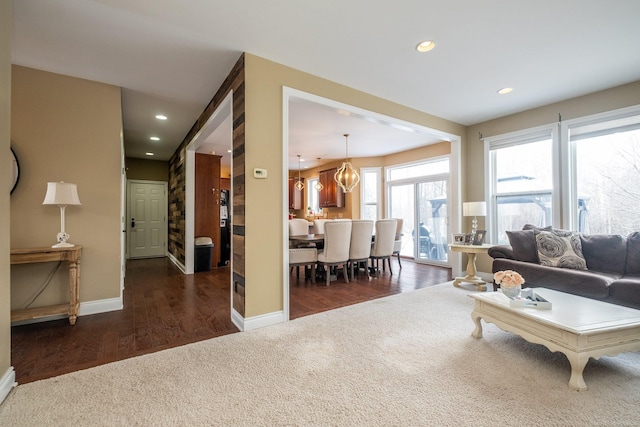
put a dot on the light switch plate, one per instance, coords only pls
(259, 173)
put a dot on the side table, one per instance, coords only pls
(72, 256)
(471, 277)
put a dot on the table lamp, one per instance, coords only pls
(474, 209)
(61, 194)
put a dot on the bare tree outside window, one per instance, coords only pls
(608, 180)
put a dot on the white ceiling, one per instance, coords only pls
(170, 56)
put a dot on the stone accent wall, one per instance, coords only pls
(177, 177)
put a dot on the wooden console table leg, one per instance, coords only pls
(74, 291)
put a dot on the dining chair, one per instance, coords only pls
(337, 238)
(318, 225)
(298, 226)
(307, 257)
(397, 243)
(383, 244)
(360, 245)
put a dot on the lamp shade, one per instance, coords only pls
(474, 209)
(61, 194)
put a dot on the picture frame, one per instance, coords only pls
(479, 237)
(468, 239)
(458, 238)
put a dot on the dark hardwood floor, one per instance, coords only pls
(164, 308)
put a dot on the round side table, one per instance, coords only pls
(471, 277)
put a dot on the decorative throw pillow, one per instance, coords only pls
(523, 243)
(560, 249)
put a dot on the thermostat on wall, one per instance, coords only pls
(259, 173)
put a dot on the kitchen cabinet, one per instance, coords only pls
(331, 196)
(296, 197)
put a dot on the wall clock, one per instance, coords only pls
(15, 177)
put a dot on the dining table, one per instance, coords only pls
(307, 238)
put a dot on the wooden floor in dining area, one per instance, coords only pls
(164, 308)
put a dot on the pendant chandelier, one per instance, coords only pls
(319, 185)
(299, 184)
(347, 177)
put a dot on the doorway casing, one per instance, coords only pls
(455, 183)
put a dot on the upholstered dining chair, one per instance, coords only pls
(397, 243)
(307, 257)
(360, 245)
(318, 225)
(383, 244)
(337, 238)
(298, 226)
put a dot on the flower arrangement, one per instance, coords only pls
(508, 279)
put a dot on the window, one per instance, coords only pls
(588, 169)
(607, 176)
(370, 193)
(521, 182)
(312, 194)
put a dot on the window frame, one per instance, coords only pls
(564, 167)
(512, 139)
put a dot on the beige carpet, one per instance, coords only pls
(405, 360)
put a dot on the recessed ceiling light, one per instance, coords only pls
(228, 151)
(505, 90)
(149, 154)
(161, 117)
(425, 46)
(154, 138)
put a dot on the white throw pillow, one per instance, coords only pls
(560, 249)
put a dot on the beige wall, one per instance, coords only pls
(151, 170)
(612, 99)
(264, 197)
(5, 166)
(67, 129)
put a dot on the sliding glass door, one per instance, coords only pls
(418, 195)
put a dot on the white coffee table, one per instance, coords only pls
(578, 327)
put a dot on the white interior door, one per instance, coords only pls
(147, 222)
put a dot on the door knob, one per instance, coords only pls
(133, 222)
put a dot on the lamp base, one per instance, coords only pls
(62, 238)
(63, 245)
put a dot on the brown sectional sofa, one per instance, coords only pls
(612, 274)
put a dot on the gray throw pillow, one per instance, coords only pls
(523, 243)
(560, 249)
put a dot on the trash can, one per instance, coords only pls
(203, 254)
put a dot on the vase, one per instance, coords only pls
(512, 291)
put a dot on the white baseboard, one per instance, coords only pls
(237, 319)
(100, 306)
(487, 277)
(7, 382)
(263, 320)
(86, 308)
(177, 263)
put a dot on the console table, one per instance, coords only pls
(33, 255)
